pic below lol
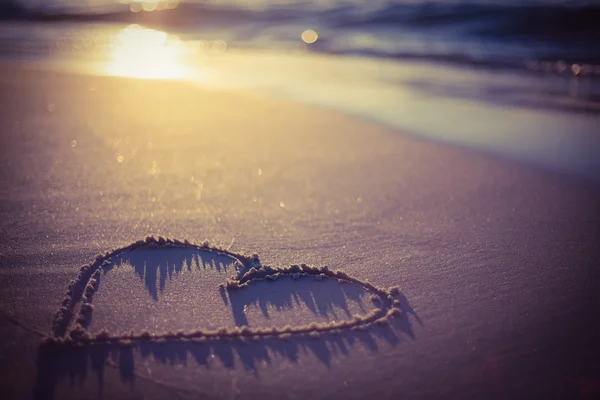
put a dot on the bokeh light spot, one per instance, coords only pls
(135, 7)
(149, 6)
(309, 36)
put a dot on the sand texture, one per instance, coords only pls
(496, 263)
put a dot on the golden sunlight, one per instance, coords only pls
(145, 53)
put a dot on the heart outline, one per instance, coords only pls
(249, 270)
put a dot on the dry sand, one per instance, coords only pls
(499, 260)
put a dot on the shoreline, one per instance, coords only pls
(585, 175)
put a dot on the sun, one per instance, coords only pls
(145, 53)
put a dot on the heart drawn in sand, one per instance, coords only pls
(71, 322)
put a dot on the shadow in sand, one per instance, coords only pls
(75, 363)
(154, 266)
(327, 299)
(323, 298)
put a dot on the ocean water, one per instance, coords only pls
(495, 33)
(516, 78)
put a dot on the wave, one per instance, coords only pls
(180, 15)
(556, 65)
(546, 31)
(537, 18)
(547, 18)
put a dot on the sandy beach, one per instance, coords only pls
(498, 260)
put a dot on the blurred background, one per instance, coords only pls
(525, 72)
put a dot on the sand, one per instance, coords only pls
(498, 260)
